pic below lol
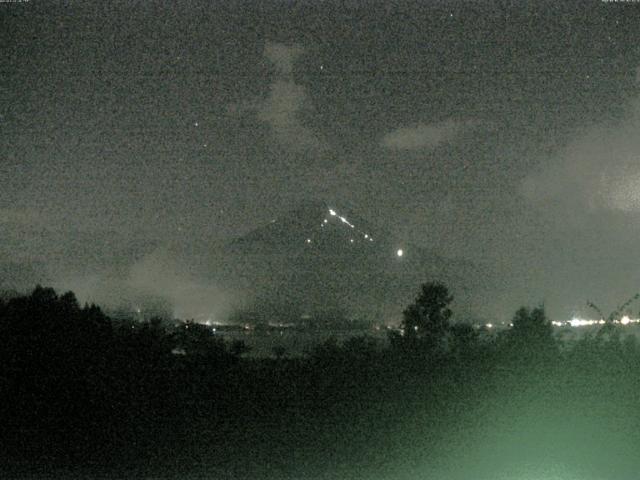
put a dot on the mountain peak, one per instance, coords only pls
(318, 256)
(313, 225)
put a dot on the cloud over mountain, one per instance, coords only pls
(282, 107)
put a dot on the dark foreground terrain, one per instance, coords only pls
(82, 397)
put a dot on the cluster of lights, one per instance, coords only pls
(333, 213)
(399, 253)
(580, 322)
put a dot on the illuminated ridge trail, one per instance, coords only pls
(320, 228)
(333, 213)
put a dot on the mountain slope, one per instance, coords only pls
(318, 258)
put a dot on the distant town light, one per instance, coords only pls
(400, 252)
(579, 322)
(308, 240)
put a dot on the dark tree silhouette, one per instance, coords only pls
(531, 337)
(463, 340)
(532, 324)
(427, 318)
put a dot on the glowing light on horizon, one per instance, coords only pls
(580, 322)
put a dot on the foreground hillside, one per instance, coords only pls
(82, 397)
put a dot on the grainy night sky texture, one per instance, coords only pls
(506, 133)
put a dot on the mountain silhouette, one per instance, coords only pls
(313, 228)
(320, 259)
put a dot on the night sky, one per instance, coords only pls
(133, 133)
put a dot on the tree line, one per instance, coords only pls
(78, 390)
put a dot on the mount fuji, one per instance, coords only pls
(322, 260)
